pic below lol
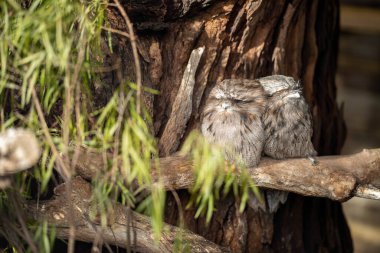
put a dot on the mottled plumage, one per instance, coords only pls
(287, 125)
(287, 119)
(250, 117)
(232, 119)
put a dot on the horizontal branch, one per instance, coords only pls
(139, 227)
(335, 177)
(367, 191)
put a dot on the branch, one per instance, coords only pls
(367, 191)
(132, 37)
(56, 213)
(335, 177)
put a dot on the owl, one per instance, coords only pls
(250, 117)
(232, 119)
(287, 125)
(287, 119)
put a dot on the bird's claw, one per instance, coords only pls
(314, 161)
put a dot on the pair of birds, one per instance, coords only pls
(268, 116)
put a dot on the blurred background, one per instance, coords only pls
(358, 83)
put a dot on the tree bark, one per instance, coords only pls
(335, 177)
(244, 39)
(57, 211)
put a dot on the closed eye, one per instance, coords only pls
(242, 102)
(235, 101)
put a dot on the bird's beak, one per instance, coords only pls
(294, 95)
(226, 105)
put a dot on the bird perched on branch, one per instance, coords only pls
(232, 119)
(287, 119)
(250, 117)
(288, 126)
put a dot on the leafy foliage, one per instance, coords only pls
(214, 176)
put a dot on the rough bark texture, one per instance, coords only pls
(245, 39)
(57, 212)
(335, 177)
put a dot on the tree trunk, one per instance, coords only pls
(243, 39)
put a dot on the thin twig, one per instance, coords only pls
(116, 31)
(180, 208)
(27, 236)
(66, 120)
(78, 92)
(132, 38)
(64, 171)
(74, 81)
(106, 69)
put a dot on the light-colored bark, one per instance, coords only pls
(334, 177)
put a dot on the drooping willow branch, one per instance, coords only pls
(334, 177)
(56, 213)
